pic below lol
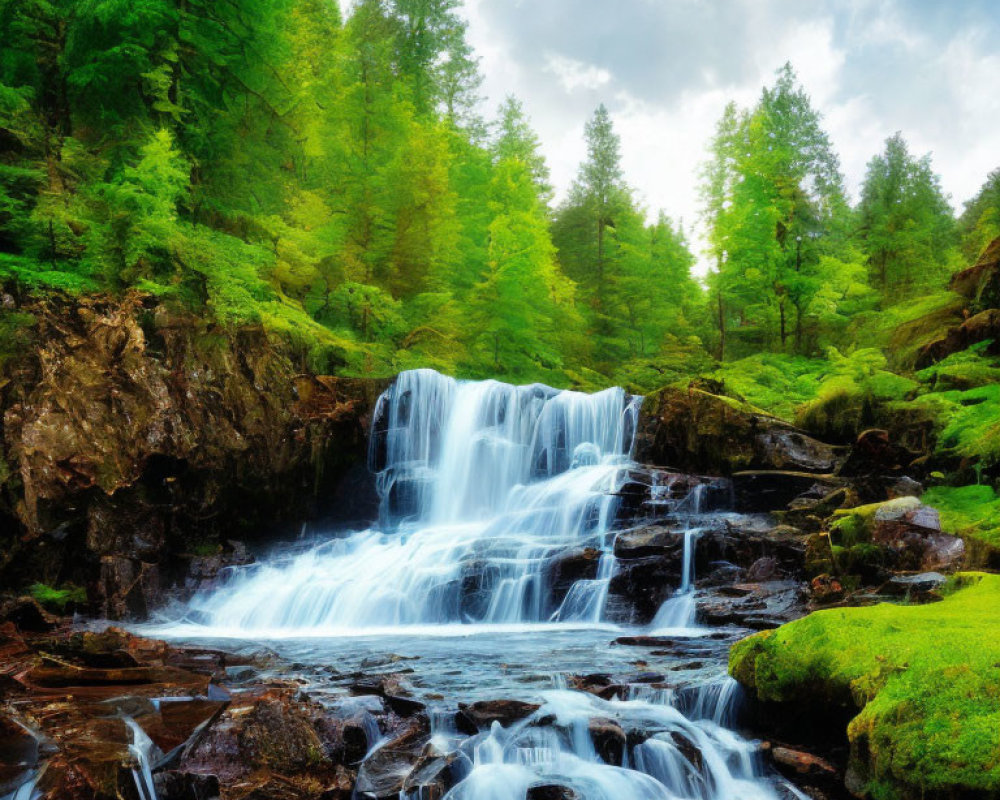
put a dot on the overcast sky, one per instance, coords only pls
(666, 68)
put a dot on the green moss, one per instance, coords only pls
(967, 369)
(925, 679)
(774, 382)
(972, 512)
(57, 599)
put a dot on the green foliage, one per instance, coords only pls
(972, 512)
(905, 226)
(57, 599)
(924, 679)
(980, 220)
(852, 387)
(774, 204)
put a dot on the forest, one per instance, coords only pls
(298, 339)
(270, 163)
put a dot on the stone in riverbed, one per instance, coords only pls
(474, 717)
(551, 791)
(384, 772)
(609, 740)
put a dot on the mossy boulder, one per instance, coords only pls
(972, 512)
(905, 530)
(922, 681)
(691, 429)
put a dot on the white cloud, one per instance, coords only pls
(573, 74)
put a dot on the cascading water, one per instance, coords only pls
(678, 612)
(481, 485)
(650, 747)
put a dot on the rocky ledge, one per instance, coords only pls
(135, 439)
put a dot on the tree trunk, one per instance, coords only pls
(722, 330)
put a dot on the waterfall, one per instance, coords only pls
(483, 486)
(678, 612)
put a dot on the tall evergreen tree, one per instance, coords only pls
(906, 227)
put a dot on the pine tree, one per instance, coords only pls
(906, 227)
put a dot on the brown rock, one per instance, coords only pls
(27, 614)
(609, 740)
(801, 762)
(826, 589)
(480, 715)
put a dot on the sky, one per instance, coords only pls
(666, 68)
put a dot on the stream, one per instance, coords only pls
(485, 488)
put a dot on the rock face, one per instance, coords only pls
(132, 436)
(694, 430)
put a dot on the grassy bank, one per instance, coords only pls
(924, 679)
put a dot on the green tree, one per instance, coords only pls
(773, 199)
(905, 225)
(980, 220)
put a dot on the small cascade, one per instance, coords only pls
(649, 759)
(142, 749)
(678, 612)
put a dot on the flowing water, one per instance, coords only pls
(484, 487)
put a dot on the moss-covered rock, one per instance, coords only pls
(924, 680)
(972, 512)
(691, 429)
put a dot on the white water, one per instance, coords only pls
(482, 485)
(555, 746)
(141, 748)
(678, 612)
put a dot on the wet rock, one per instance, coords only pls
(764, 569)
(875, 455)
(173, 785)
(18, 755)
(551, 791)
(943, 552)
(688, 749)
(430, 778)
(404, 706)
(802, 763)
(127, 587)
(204, 571)
(701, 432)
(655, 540)
(905, 487)
(277, 734)
(609, 740)
(826, 589)
(474, 717)
(924, 582)
(639, 587)
(912, 531)
(134, 430)
(767, 490)
(384, 772)
(752, 605)
(27, 614)
(568, 568)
